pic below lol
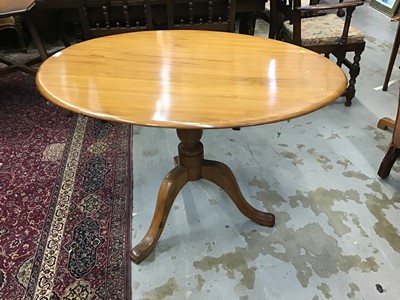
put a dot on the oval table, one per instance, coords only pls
(190, 80)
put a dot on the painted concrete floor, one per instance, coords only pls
(337, 232)
(337, 223)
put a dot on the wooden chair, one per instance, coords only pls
(216, 15)
(268, 17)
(328, 34)
(15, 23)
(105, 17)
(17, 9)
(247, 12)
(276, 12)
(394, 149)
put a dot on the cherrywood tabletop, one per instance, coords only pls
(189, 79)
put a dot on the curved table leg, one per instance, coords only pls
(388, 161)
(191, 166)
(221, 175)
(170, 187)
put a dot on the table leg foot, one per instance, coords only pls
(388, 161)
(170, 187)
(221, 175)
(384, 123)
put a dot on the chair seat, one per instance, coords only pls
(323, 30)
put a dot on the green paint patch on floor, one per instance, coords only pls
(377, 203)
(358, 175)
(321, 201)
(163, 291)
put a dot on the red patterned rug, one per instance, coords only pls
(65, 195)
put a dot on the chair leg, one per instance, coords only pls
(388, 161)
(279, 18)
(247, 23)
(340, 57)
(269, 19)
(354, 71)
(252, 23)
(21, 39)
(65, 40)
(393, 55)
(272, 31)
(20, 33)
(36, 38)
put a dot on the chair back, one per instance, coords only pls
(105, 17)
(216, 15)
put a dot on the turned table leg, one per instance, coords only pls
(192, 166)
